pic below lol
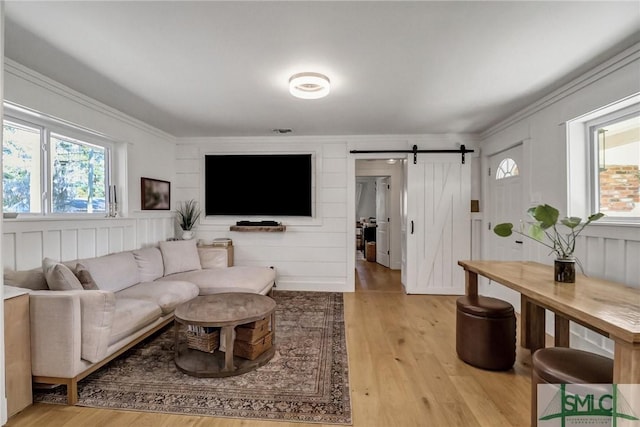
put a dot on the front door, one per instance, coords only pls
(382, 220)
(505, 189)
(438, 229)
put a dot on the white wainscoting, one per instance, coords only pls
(26, 242)
(477, 225)
(610, 253)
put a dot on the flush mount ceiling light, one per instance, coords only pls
(309, 85)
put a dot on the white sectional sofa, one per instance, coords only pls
(86, 312)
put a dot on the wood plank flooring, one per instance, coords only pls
(403, 371)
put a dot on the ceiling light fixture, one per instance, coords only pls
(392, 161)
(309, 85)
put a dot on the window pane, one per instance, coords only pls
(78, 171)
(507, 168)
(618, 147)
(21, 168)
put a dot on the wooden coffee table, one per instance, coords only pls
(226, 311)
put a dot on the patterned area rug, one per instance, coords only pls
(307, 380)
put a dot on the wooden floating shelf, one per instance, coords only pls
(259, 228)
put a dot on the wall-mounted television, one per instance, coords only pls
(258, 184)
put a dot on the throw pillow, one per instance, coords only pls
(150, 264)
(113, 272)
(180, 256)
(84, 276)
(59, 276)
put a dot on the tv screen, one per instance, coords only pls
(258, 184)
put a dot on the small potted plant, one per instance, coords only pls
(188, 214)
(558, 235)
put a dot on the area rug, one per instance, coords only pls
(306, 381)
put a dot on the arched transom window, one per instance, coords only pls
(507, 168)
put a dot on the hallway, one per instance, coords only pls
(373, 277)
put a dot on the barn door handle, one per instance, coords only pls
(411, 227)
(519, 242)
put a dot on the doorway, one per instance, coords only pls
(377, 217)
(430, 223)
(505, 189)
(373, 236)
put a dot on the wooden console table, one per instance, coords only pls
(609, 308)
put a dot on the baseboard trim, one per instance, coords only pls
(283, 285)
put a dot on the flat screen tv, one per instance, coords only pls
(258, 185)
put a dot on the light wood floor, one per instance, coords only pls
(403, 371)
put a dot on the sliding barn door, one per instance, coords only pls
(438, 224)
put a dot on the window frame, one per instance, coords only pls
(594, 158)
(77, 134)
(43, 163)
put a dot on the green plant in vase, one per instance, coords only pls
(188, 215)
(557, 234)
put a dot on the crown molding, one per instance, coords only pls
(620, 60)
(44, 82)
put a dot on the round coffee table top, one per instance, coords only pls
(225, 309)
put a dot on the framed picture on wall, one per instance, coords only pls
(156, 194)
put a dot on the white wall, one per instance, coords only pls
(607, 251)
(26, 240)
(311, 254)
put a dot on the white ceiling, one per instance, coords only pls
(210, 68)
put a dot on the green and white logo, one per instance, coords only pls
(590, 405)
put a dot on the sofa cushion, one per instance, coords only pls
(85, 277)
(113, 272)
(29, 279)
(180, 256)
(150, 263)
(131, 315)
(59, 276)
(257, 280)
(166, 294)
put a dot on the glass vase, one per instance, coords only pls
(565, 270)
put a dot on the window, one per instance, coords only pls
(603, 154)
(47, 170)
(22, 166)
(507, 168)
(615, 154)
(78, 169)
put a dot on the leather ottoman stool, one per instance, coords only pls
(561, 365)
(486, 332)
